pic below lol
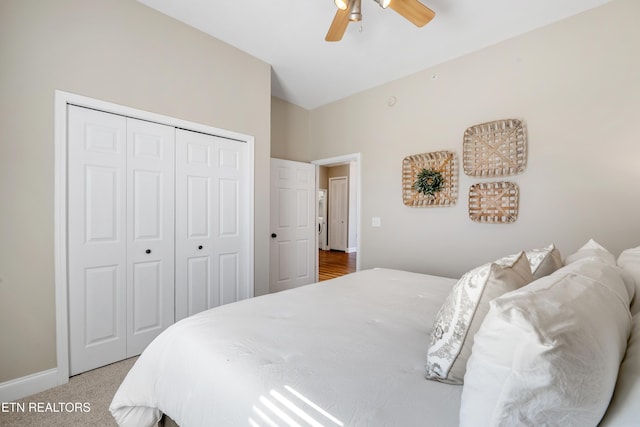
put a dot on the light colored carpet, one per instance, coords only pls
(91, 390)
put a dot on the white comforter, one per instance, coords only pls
(350, 351)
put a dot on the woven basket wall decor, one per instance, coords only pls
(494, 202)
(495, 149)
(444, 162)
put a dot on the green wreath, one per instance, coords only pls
(429, 182)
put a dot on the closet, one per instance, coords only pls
(156, 231)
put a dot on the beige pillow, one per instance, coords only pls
(549, 353)
(544, 261)
(463, 311)
(591, 250)
(624, 409)
(629, 260)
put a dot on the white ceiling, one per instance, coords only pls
(309, 72)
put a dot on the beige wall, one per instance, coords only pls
(118, 51)
(338, 171)
(575, 83)
(289, 131)
(323, 177)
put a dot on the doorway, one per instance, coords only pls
(337, 258)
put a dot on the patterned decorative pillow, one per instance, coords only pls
(464, 309)
(544, 261)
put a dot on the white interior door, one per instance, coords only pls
(293, 225)
(97, 241)
(211, 222)
(338, 213)
(150, 232)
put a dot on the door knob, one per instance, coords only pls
(274, 235)
(148, 251)
(200, 247)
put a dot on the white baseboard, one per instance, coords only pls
(349, 250)
(26, 386)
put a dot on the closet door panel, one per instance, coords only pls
(196, 287)
(101, 301)
(229, 277)
(147, 299)
(210, 222)
(101, 203)
(147, 208)
(228, 208)
(198, 279)
(230, 231)
(198, 221)
(150, 231)
(96, 238)
(198, 207)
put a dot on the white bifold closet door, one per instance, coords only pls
(211, 218)
(120, 235)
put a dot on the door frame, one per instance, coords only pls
(62, 99)
(335, 161)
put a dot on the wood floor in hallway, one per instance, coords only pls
(332, 264)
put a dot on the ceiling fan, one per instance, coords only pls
(350, 10)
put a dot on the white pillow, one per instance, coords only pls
(592, 250)
(544, 261)
(624, 409)
(629, 260)
(463, 311)
(549, 353)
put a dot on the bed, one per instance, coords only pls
(345, 352)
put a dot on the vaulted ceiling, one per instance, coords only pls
(310, 72)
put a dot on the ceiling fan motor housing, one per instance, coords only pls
(356, 11)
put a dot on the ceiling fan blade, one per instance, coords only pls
(338, 26)
(413, 10)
